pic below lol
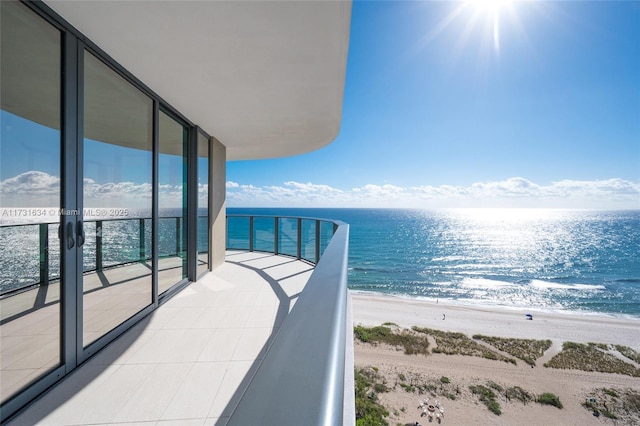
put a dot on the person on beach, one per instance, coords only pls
(443, 317)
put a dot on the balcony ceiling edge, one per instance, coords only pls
(265, 78)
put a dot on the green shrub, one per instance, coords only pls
(516, 392)
(548, 398)
(411, 342)
(528, 350)
(629, 353)
(487, 397)
(408, 388)
(451, 343)
(380, 388)
(591, 357)
(494, 407)
(444, 380)
(369, 412)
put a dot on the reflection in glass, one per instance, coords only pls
(203, 204)
(30, 198)
(172, 203)
(117, 200)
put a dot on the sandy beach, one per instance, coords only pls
(572, 386)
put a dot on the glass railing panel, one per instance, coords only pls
(30, 256)
(121, 242)
(20, 257)
(168, 227)
(238, 233)
(308, 242)
(263, 234)
(288, 236)
(326, 232)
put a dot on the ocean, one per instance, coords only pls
(537, 259)
(541, 260)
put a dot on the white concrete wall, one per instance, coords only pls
(217, 203)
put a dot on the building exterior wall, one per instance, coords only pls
(218, 204)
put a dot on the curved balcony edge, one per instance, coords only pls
(301, 380)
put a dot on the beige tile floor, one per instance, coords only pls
(189, 361)
(30, 331)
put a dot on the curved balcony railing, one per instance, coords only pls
(301, 380)
(302, 238)
(32, 255)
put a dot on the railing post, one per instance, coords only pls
(178, 236)
(317, 241)
(98, 245)
(251, 233)
(299, 242)
(276, 231)
(44, 254)
(143, 251)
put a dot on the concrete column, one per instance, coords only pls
(217, 203)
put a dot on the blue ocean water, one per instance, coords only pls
(558, 260)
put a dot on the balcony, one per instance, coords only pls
(268, 319)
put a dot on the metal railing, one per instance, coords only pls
(97, 238)
(301, 380)
(302, 238)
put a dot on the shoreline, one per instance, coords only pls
(373, 309)
(472, 304)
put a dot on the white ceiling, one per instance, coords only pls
(266, 78)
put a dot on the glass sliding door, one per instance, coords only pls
(117, 194)
(30, 198)
(172, 202)
(203, 204)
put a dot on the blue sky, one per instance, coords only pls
(444, 108)
(446, 104)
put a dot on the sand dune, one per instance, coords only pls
(572, 386)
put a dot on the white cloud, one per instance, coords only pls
(35, 188)
(39, 189)
(29, 183)
(512, 192)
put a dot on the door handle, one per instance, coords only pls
(80, 233)
(70, 241)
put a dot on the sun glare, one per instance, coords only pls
(491, 10)
(483, 23)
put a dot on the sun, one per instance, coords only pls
(478, 21)
(491, 9)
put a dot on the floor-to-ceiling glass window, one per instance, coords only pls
(30, 198)
(117, 193)
(203, 203)
(172, 202)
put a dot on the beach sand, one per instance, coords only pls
(572, 386)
